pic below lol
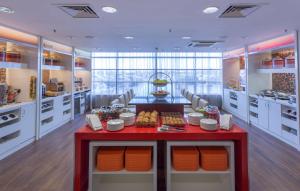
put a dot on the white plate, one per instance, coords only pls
(209, 124)
(115, 125)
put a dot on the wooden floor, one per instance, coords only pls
(47, 165)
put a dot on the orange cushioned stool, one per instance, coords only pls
(138, 158)
(110, 158)
(185, 158)
(214, 158)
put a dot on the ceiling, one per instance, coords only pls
(149, 21)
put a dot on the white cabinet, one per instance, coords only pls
(275, 118)
(58, 115)
(242, 105)
(235, 102)
(28, 119)
(226, 100)
(24, 132)
(263, 113)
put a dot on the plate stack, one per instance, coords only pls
(209, 124)
(129, 118)
(194, 118)
(115, 125)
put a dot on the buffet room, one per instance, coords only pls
(108, 95)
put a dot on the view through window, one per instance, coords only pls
(115, 73)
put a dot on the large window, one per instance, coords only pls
(114, 73)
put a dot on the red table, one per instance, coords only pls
(84, 135)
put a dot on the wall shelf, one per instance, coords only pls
(13, 65)
(200, 171)
(81, 68)
(122, 172)
(49, 67)
(281, 70)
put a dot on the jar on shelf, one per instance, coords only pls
(13, 56)
(266, 64)
(290, 62)
(278, 62)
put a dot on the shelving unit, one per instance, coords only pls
(201, 179)
(56, 63)
(18, 65)
(235, 83)
(122, 180)
(264, 72)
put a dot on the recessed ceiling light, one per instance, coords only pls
(211, 10)
(186, 37)
(108, 9)
(6, 10)
(129, 37)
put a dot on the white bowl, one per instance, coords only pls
(209, 124)
(194, 118)
(115, 125)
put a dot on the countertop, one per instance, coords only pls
(282, 102)
(12, 106)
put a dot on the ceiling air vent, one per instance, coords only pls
(202, 44)
(239, 10)
(79, 10)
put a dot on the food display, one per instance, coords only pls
(160, 94)
(174, 119)
(147, 119)
(106, 112)
(160, 83)
(212, 112)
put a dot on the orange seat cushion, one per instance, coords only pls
(110, 158)
(185, 158)
(214, 158)
(138, 158)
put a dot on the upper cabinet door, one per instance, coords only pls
(263, 113)
(275, 118)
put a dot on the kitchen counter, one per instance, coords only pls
(85, 135)
(12, 106)
(282, 102)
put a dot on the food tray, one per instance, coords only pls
(176, 116)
